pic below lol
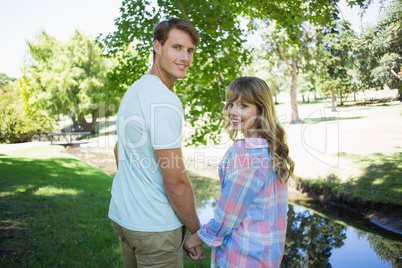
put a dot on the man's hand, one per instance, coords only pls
(196, 253)
(194, 247)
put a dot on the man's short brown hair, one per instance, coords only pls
(162, 30)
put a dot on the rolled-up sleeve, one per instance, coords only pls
(240, 185)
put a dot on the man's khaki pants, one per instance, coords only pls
(151, 249)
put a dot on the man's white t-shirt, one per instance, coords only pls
(150, 118)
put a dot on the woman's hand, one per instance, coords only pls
(194, 247)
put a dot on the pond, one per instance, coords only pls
(320, 235)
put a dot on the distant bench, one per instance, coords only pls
(68, 138)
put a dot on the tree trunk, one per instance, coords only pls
(291, 215)
(89, 126)
(341, 98)
(293, 94)
(333, 99)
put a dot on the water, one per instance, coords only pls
(320, 235)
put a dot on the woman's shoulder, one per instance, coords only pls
(244, 145)
(247, 146)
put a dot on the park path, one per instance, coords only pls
(4, 148)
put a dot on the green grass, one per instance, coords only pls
(380, 182)
(53, 212)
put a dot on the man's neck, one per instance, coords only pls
(156, 70)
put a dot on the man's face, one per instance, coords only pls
(176, 55)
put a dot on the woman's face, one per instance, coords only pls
(242, 114)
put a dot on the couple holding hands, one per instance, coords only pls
(152, 204)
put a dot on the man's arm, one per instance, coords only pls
(116, 156)
(178, 187)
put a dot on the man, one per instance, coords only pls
(152, 196)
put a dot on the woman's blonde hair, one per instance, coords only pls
(266, 125)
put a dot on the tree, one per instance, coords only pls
(4, 80)
(69, 77)
(307, 85)
(274, 72)
(379, 51)
(20, 119)
(278, 47)
(337, 45)
(221, 54)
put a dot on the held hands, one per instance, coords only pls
(194, 247)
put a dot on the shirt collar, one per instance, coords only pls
(255, 143)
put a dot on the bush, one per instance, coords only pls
(18, 123)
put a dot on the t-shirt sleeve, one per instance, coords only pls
(166, 126)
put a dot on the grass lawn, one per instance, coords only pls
(380, 181)
(350, 155)
(53, 211)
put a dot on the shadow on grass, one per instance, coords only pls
(327, 119)
(381, 179)
(378, 188)
(54, 213)
(97, 135)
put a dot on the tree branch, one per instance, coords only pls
(180, 3)
(282, 54)
(230, 61)
(395, 74)
(220, 79)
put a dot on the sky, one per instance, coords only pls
(21, 20)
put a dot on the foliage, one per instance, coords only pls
(68, 78)
(20, 119)
(282, 52)
(216, 62)
(379, 51)
(337, 59)
(307, 85)
(220, 56)
(4, 80)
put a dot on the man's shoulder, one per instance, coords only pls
(151, 87)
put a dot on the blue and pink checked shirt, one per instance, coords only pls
(249, 224)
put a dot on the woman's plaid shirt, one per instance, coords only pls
(249, 224)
